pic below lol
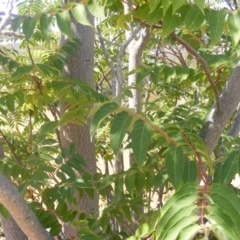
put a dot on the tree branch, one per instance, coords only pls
(204, 66)
(119, 60)
(229, 100)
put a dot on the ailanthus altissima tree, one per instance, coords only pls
(150, 149)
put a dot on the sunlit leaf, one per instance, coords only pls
(200, 4)
(216, 21)
(177, 4)
(95, 9)
(80, 14)
(64, 23)
(233, 24)
(194, 18)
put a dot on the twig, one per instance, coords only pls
(30, 55)
(204, 65)
(107, 56)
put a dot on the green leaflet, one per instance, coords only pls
(64, 23)
(233, 25)
(190, 171)
(80, 14)
(227, 201)
(153, 5)
(171, 21)
(174, 163)
(177, 4)
(166, 4)
(200, 4)
(45, 25)
(178, 213)
(130, 183)
(28, 27)
(101, 114)
(189, 232)
(141, 136)
(226, 224)
(95, 9)
(230, 168)
(194, 18)
(216, 22)
(118, 130)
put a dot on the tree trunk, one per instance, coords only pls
(80, 66)
(216, 122)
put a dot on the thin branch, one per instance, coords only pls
(204, 65)
(11, 34)
(30, 55)
(119, 60)
(107, 56)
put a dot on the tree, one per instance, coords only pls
(187, 61)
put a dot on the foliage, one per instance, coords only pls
(171, 163)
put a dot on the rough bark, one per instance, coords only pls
(80, 67)
(22, 222)
(229, 100)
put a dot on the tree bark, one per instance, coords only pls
(81, 66)
(216, 122)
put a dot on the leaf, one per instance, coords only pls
(190, 171)
(118, 130)
(80, 14)
(139, 182)
(216, 21)
(64, 23)
(233, 25)
(171, 21)
(226, 224)
(118, 187)
(230, 168)
(48, 127)
(22, 71)
(177, 4)
(174, 163)
(228, 201)
(166, 4)
(194, 18)
(200, 4)
(185, 221)
(95, 9)
(179, 208)
(101, 114)
(28, 27)
(10, 103)
(45, 26)
(153, 5)
(130, 183)
(189, 232)
(141, 137)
